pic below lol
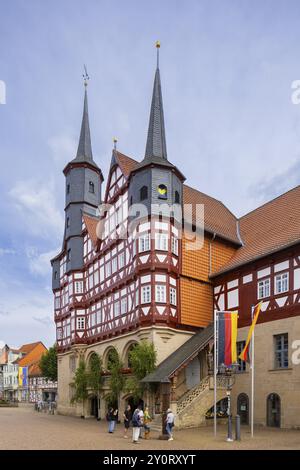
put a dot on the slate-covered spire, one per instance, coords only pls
(156, 148)
(84, 151)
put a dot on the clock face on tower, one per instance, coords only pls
(162, 191)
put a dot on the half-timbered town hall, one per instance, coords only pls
(139, 260)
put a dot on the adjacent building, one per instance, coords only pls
(21, 375)
(140, 260)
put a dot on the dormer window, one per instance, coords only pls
(177, 197)
(143, 193)
(91, 187)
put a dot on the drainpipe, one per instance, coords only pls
(210, 251)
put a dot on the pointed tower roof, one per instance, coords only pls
(84, 151)
(156, 147)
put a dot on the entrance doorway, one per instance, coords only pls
(134, 403)
(273, 410)
(94, 407)
(243, 407)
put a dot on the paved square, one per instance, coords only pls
(24, 428)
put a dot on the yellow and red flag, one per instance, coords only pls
(245, 354)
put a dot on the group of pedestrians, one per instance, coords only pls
(139, 420)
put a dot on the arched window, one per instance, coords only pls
(112, 358)
(243, 407)
(177, 197)
(91, 187)
(162, 191)
(273, 410)
(143, 193)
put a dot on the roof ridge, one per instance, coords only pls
(269, 202)
(212, 197)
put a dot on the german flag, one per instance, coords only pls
(245, 354)
(227, 334)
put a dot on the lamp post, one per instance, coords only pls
(229, 380)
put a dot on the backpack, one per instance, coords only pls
(136, 419)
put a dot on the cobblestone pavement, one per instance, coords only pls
(24, 428)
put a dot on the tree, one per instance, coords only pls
(142, 359)
(95, 378)
(117, 380)
(80, 384)
(48, 364)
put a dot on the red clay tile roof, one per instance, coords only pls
(268, 229)
(91, 225)
(34, 355)
(34, 370)
(126, 164)
(217, 218)
(26, 348)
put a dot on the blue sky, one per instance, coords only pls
(226, 68)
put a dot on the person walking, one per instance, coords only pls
(170, 423)
(136, 424)
(127, 420)
(141, 416)
(147, 420)
(111, 419)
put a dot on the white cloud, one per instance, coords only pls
(30, 315)
(36, 205)
(63, 148)
(7, 251)
(39, 263)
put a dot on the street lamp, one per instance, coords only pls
(228, 372)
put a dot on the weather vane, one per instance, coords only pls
(85, 76)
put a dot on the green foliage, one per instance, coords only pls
(94, 375)
(48, 364)
(117, 380)
(80, 383)
(142, 359)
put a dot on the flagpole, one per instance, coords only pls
(252, 378)
(215, 372)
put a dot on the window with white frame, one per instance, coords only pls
(144, 242)
(124, 305)
(173, 299)
(281, 283)
(161, 241)
(80, 323)
(108, 269)
(146, 295)
(78, 287)
(59, 333)
(263, 288)
(57, 302)
(175, 245)
(114, 264)
(117, 308)
(160, 293)
(121, 260)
